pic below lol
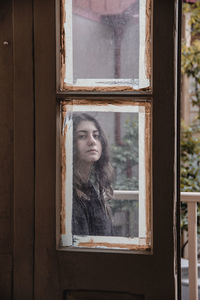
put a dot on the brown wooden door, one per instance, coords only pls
(93, 274)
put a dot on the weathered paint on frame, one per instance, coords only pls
(91, 244)
(148, 58)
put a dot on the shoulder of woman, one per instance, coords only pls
(79, 196)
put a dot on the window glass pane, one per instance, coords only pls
(106, 43)
(106, 175)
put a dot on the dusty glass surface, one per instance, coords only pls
(107, 43)
(106, 174)
(104, 162)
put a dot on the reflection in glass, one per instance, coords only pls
(106, 175)
(91, 178)
(99, 167)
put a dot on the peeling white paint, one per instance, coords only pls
(106, 108)
(143, 81)
(142, 177)
(68, 125)
(69, 240)
(68, 43)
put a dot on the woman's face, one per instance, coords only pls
(88, 142)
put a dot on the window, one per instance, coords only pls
(105, 44)
(130, 162)
(105, 48)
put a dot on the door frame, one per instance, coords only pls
(36, 115)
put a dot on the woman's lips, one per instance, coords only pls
(92, 150)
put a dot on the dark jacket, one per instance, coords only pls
(90, 216)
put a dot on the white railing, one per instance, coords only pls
(191, 199)
(126, 195)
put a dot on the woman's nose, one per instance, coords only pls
(91, 140)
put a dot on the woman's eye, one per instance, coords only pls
(96, 136)
(81, 136)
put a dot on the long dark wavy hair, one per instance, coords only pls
(101, 170)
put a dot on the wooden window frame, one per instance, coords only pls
(100, 242)
(126, 84)
(106, 94)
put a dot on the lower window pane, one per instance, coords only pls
(106, 174)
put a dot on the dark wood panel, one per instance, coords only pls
(5, 277)
(96, 295)
(23, 150)
(6, 135)
(46, 268)
(6, 148)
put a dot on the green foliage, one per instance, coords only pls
(190, 59)
(190, 141)
(194, 10)
(125, 157)
(190, 159)
(190, 166)
(125, 164)
(191, 67)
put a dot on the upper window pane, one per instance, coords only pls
(106, 44)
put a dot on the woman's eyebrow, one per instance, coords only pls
(84, 131)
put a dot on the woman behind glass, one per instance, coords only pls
(92, 175)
